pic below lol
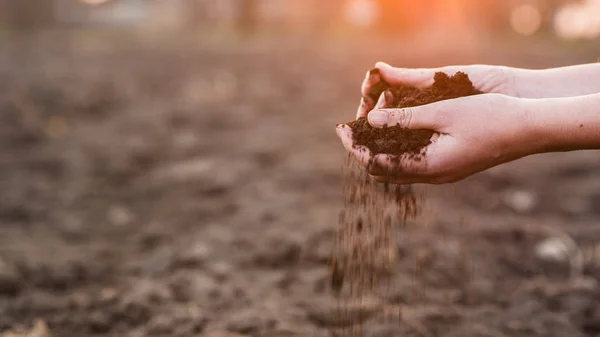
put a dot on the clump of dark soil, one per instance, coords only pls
(395, 139)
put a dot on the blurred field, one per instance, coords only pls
(163, 186)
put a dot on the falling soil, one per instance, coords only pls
(366, 255)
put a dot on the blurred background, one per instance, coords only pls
(170, 168)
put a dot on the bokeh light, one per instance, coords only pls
(94, 2)
(526, 19)
(578, 21)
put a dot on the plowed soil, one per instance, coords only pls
(195, 192)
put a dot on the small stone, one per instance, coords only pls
(521, 201)
(221, 270)
(108, 294)
(195, 255)
(120, 216)
(555, 249)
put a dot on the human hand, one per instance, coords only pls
(487, 79)
(471, 134)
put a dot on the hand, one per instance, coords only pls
(472, 134)
(487, 79)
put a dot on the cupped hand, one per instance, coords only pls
(485, 78)
(471, 134)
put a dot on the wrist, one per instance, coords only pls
(564, 124)
(527, 83)
(528, 135)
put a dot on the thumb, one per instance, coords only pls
(416, 118)
(420, 78)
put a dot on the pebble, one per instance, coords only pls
(196, 255)
(555, 249)
(120, 216)
(521, 201)
(221, 270)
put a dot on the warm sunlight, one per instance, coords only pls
(578, 21)
(94, 2)
(526, 19)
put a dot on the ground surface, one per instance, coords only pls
(196, 193)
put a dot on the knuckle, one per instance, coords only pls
(402, 117)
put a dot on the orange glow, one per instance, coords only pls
(526, 19)
(94, 2)
(577, 21)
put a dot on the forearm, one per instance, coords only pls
(558, 82)
(565, 124)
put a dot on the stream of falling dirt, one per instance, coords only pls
(365, 251)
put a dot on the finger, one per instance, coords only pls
(420, 78)
(361, 153)
(385, 99)
(416, 118)
(366, 105)
(372, 78)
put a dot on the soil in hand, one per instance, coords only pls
(396, 140)
(366, 255)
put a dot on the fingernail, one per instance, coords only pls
(382, 65)
(378, 118)
(373, 76)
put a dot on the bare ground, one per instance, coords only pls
(196, 193)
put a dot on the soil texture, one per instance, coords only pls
(195, 192)
(398, 140)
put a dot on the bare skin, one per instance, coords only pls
(526, 112)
